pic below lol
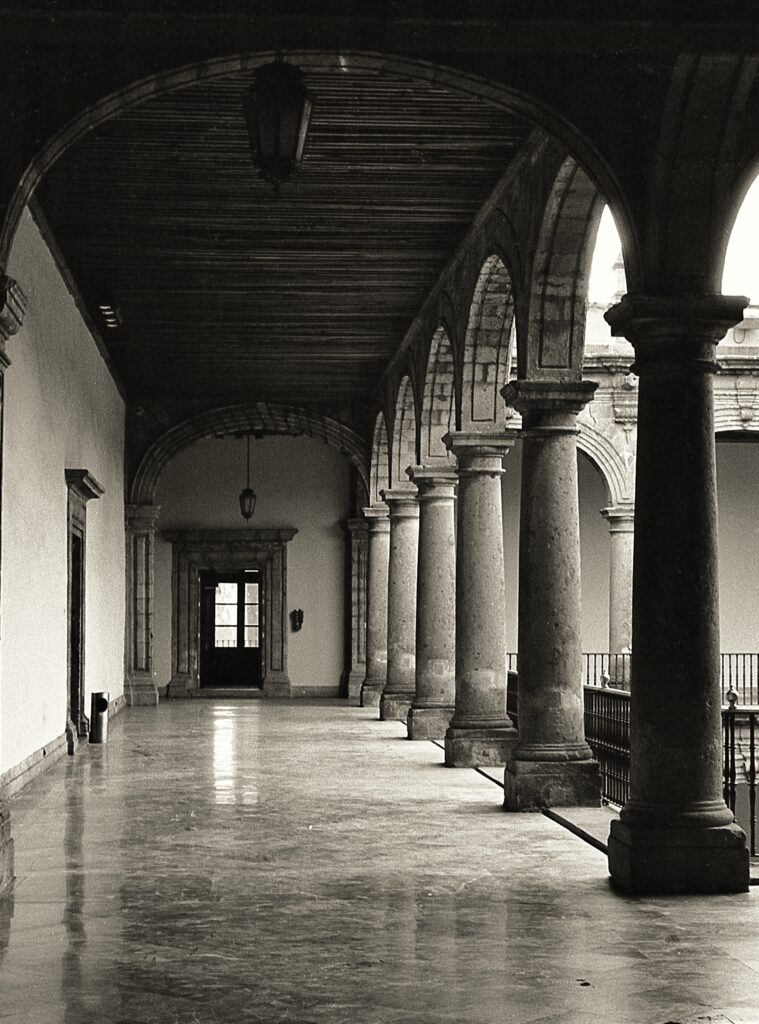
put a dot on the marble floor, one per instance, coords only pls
(254, 861)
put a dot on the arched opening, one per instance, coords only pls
(404, 435)
(740, 275)
(439, 393)
(487, 346)
(380, 471)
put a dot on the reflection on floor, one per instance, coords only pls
(225, 863)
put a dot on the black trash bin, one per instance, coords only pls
(99, 717)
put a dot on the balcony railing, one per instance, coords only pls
(607, 730)
(740, 672)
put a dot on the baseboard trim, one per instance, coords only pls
(14, 779)
(314, 691)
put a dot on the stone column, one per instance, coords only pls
(621, 520)
(359, 541)
(551, 765)
(676, 834)
(378, 555)
(401, 604)
(480, 733)
(140, 542)
(435, 693)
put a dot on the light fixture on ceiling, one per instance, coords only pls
(247, 494)
(277, 112)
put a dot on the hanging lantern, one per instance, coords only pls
(247, 494)
(277, 111)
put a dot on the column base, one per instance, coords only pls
(428, 723)
(371, 694)
(678, 860)
(142, 693)
(394, 707)
(472, 748)
(277, 687)
(179, 686)
(355, 682)
(6, 848)
(533, 785)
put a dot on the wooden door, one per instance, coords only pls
(230, 629)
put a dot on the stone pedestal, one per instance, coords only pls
(359, 543)
(435, 693)
(401, 604)
(676, 833)
(552, 765)
(376, 611)
(481, 732)
(140, 686)
(621, 520)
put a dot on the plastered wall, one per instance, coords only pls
(62, 410)
(300, 483)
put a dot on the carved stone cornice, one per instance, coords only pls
(83, 484)
(12, 307)
(253, 535)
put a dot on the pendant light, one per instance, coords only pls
(247, 494)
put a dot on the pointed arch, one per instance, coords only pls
(561, 267)
(487, 345)
(438, 405)
(380, 468)
(404, 452)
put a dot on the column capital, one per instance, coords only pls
(401, 501)
(377, 518)
(549, 405)
(621, 518)
(356, 526)
(12, 307)
(434, 481)
(671, 331)
(480, 451)
(141, 517)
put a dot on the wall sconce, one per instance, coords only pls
(296, 617)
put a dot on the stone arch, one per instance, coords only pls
(556, 324)
(438, 404)
(487, 345)
(609, 461)
(260, 419)
(380, 468)
(404, 451)
(168, 80)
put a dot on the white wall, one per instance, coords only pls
(62, 411)
(300, 483)
(737, 489)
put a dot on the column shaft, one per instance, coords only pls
(376, 611)
(480, 733)
(356, 674)
(433, 704)
(401, 604)
(676, 833)
(552, 765)
(621, 522)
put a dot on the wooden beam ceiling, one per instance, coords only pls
(226, 294)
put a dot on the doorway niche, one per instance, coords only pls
(227, 551)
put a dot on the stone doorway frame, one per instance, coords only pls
(227, 551)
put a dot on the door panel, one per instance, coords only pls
(230, 632)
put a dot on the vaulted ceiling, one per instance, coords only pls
(227, 294)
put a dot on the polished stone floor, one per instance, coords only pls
(225, 863)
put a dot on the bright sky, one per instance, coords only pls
(603, 279)
(741, 274)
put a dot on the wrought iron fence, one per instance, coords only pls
(740, 672)
(607, 730)
(739, 778)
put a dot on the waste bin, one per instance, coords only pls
(99, 717)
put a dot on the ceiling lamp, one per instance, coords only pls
(247, 494)
(277, 111)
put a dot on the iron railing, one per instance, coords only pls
(739, 672)
(739, 777)
(607, 731)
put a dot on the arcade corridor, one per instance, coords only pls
(262, 861)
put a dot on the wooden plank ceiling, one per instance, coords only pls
(226, 294)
